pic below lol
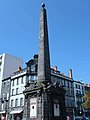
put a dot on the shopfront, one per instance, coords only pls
(2, 115)
(16, 115)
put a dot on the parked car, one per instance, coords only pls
(87, 118)
(78, 118)
(81, 118)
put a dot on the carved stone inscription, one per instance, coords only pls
(56, 109)
(33, 108)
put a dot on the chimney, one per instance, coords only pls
(70, 74)
(54, 68)
(19, 69)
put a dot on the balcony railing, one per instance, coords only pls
(79, 103)
(79, 95)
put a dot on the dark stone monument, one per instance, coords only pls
(44, 100)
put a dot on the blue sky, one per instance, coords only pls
(69, 32)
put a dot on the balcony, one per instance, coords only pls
(79, 95)
(79, 103)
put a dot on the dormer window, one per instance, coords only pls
(32, 68)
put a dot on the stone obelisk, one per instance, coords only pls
(43, 54)
(44, 100)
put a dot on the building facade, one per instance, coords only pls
(87, 87)
(16, 102)
(5, 98)
(67, 83)
(79, 92)
(13, 98)
(19, 80)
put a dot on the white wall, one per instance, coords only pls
(16, 97)
(9, 65)
(21, 88)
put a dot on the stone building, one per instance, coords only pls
(67, 82)
(87, 87)
(5, 98)
(44, 100)
(79, 92)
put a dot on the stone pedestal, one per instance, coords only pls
(45, 102)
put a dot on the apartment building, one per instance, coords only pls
(15, 85)
(5, 98)
(19, 80)
(8, 64)
(87, 87)
(79, 92)
(67, 83)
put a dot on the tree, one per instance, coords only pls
(86, 103)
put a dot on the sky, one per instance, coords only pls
(68, 27)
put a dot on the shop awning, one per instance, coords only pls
(2, 112)
(16, 111)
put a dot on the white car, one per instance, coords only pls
(78, 118)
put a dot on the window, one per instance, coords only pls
(32, 68)
(21, 101)
(76, 85)
(71, 85)
(83, 93)
(32, 77)
(17, 81)
(12, 103)
(61, 81)
(12, 82)
(64, 83)
(76, 91)
(17, 90)
(72, 103)
(12, 91)
(7, 96)
(16, 102)
(67, 83)
(4, 83)
(3, 96)
(72, 93)
(80, 92)
(22, 80)
(2, 106)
